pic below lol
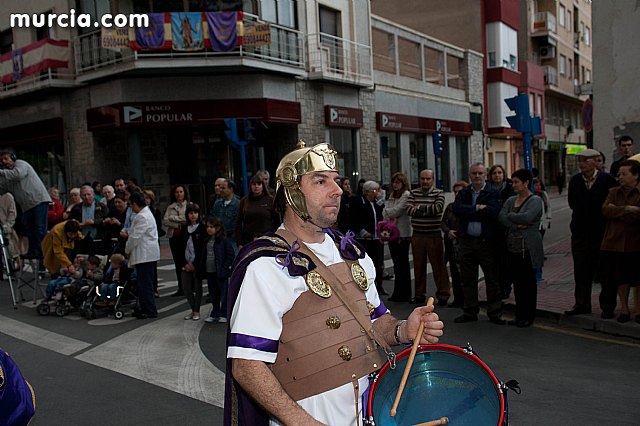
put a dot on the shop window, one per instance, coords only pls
(389, 156)
(462, 159)
(418, 157)
(344, 142)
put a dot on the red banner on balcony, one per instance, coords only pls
(33, 58)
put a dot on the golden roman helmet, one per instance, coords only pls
(301, 161)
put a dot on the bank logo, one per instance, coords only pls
(333, 114)
(132, 114)
(385, 120)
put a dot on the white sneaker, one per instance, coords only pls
(188, 317)
(212, 319)
(222, 319)
(195, 317)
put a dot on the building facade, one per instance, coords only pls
(615, 91)
(84, 109)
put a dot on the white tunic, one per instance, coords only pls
(267, 293)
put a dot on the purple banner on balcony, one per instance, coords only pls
(223, 30)
(187, 31)
(18, 64)
(151, 37)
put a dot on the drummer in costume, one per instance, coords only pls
(306, 323)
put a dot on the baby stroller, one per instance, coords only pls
(99, 300)
(72, 296)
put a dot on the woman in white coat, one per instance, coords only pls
(395, 211)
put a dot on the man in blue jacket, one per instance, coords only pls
(477, 207)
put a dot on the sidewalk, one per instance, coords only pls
(555, 295)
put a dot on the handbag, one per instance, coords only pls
(387, 230)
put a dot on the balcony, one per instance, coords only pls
(543, 23)
(550, 76)
(39, 65)
(338, 59)
(284, 53)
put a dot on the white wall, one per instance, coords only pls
(503, 40)
(497, 109)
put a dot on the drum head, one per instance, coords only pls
(443, 382)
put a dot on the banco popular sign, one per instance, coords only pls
(160, 114)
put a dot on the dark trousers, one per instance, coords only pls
(399, 250)
(218, 294)
(431, 246)
(525, 285)
(375, 250)
(174, 245)
(585, 254)
(192, 286)
(609, 284)
(474, 253)
(146, 273)
(34, 222)
(454, 270)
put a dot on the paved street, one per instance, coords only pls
(169, 370)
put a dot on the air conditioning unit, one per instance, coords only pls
(547, 52)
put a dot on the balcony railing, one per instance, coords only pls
(335, 58)
(550, 76)
(544, 22)
(286, 49)
(44, 63)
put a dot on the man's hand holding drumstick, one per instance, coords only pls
(433, 327)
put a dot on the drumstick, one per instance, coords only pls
(442, 421)
(407, 368)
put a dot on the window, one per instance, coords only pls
(582, 74)
(538, 106)
(512, 62)
(562, 16)
(390, 156)
(329, 33)
(434, 65)
(6, 41)
(587, 36)
(384, 51)
(344, 142)
(588, 77)
(95, 8)
(454, 67)
(563, 64)
(492, 59)
(569, 68)
(409, 59)
(569, 21)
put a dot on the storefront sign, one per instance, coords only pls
(574, 148)
(336, 116)
(180, 113)
(413, 124)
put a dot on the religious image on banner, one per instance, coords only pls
(187, 31)
(18, 64)
(151, 37)
(223, 30)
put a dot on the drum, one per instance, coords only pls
(444, 381)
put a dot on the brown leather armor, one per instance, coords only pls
(322, 345)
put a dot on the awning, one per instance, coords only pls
(43, 131)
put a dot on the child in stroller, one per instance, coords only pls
(114, 280)
(87, 274)
(65, 276)
(116, 290)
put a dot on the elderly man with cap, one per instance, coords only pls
(306, 319)
(587, 192)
